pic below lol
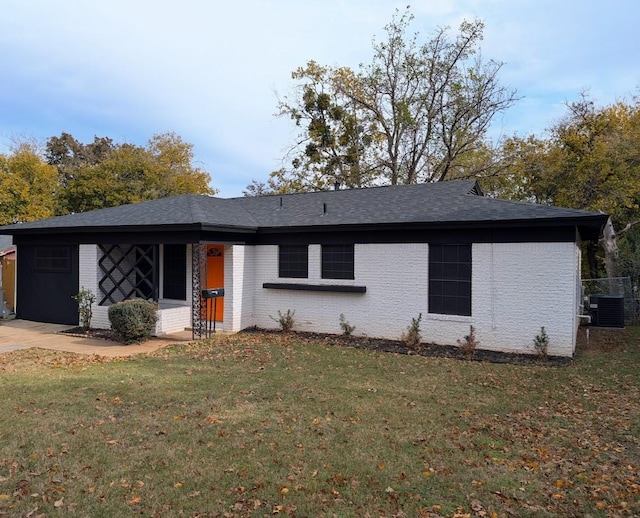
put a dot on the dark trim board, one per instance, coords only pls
(421, 235)
(335, 288)
(410, 233)
(139, 237)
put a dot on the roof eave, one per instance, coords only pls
(590, 226)
(129, 229)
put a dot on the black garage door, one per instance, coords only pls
(47, 281)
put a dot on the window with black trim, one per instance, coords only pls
(293, 261)
(174, 273)
(337, 262)
(52, 259)
(450, 279)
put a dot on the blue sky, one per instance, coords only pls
(210, 70)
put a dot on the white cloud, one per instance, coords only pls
(208, 70)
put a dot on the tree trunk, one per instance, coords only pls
(592, 250)
(610, 247)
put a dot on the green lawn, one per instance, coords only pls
(263, 425)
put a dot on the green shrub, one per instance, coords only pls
(285, 320)
(347, 329)
(133, 321)
(85, 299)
(470, 342)
(412, 337)
(541, 343)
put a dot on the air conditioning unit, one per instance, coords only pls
(607, 310)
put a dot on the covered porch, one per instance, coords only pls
(186, 281)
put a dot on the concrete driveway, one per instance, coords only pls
(23, 334)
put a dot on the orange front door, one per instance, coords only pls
(215, 277)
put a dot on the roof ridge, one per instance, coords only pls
(448, 183)
(542, 206)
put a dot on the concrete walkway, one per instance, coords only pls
(23, 334)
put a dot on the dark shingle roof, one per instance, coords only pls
(186, 210)
(438, 204)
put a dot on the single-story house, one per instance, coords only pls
(379, 256)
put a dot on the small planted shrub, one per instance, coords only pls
(541, 344)
(284, 320)
(85, 299)
(412, 337)
(133, 321)
(347, 329)
(470, 343)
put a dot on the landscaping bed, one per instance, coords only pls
(424, 349)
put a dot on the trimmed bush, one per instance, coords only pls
(133, 321)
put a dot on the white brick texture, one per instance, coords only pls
(395, 277)
(519, 287)
(516, 289)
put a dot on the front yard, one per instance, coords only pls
(267, 424)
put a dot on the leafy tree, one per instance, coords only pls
(68, 154)
(414, 114)
(432, 102)
(523, 175)
(591, 161)
(119, 178)
(597, 167)
(103, 174)
(27, 186)
(256, 188)
(596, 159)
(334, 134)
(174, 168)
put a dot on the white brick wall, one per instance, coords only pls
(88, 277)
(172, 318)
(394, 275)
(240, 287)
(520, 287)
(516, 289)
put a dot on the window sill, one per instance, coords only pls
(335, 288)
(450, 318)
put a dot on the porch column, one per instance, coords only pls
(198, 276)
